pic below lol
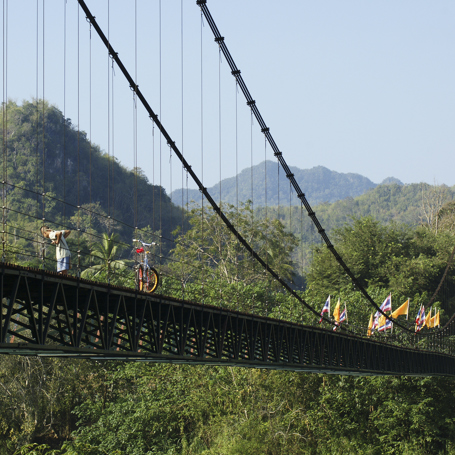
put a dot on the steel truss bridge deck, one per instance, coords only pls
(48, 315)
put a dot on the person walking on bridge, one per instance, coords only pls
(62, 251)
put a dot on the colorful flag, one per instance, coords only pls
(428, 320)
(402, 310)
(384, 324)
(420, 319)
(370, 326)
(388, 325)
(325, 308)
(423, 318)
(344, 315)
(339, 318)
(385, 306)
(375, 323)
(381, 323)
(418, 316)
(436, 320)
(336, 311)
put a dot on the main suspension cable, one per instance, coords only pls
(266, 131)
(189, 169)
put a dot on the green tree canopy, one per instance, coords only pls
(209, 251)
(106, 253)
(392, 256)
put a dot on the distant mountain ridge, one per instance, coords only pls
(319, 185)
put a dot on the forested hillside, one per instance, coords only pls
(47, 154)
(319, 183)
(410, 205)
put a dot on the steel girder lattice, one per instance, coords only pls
(46, 314)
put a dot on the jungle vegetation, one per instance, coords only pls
(71, 406)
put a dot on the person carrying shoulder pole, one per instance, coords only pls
(62, 251)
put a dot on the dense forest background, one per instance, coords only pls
(57, 177)
(396, 238)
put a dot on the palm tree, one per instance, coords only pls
(106, 251)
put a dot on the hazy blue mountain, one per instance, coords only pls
(319, 185)
(391, 181)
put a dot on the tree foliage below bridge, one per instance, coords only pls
(140, 408)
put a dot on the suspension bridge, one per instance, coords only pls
(47, 314)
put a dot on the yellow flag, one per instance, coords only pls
(382, 320)
(402, 310)
(428, 320)
(370, 325)
(436, 320)
(336, 312)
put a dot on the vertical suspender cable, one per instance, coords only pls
(112, 166)
(251, 167)
(202, 156)
(301, 252)
(219, 116)
(237, 187)
(106, 322)
(90, 132)
(267, 229)
(44, 122)
(171, 211)
(108, 116)
(5, 127)
(161, 118)
(236, 145)
(170, 182)
(78, 150)
(182, 148)
(290, 217)
(112, 148)
(290, 207)
(265, 181)
(301, 247)
(251, 261)
(153, 177)
(278, 191)
(219, 146)
(64, 113)
(136, 223)
(108, 134)
(37, 154)
(3, 132)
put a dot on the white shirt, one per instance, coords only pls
(61, 249)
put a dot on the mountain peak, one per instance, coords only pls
(319, 184)
(391, 181)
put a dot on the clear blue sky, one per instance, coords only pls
(355, 86)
